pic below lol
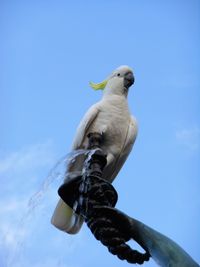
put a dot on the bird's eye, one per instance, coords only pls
(118, 74)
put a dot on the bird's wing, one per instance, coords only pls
(131, 135)
(64, 218)
(84, 125)
(126, 149)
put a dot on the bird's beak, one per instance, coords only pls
(128, 79)
(98, 86)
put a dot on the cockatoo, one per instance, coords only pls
(110, 117)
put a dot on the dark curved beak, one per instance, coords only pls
(128, 79)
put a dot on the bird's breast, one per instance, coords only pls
(113, 121)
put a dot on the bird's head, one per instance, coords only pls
(117, 83)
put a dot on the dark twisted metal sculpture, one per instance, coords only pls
(96, 199)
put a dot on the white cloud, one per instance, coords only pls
(28, 197)
(12, 231)
(27, 158)
(189, 138)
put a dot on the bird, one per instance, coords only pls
(110, 117)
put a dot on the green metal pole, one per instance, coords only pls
(162, 249)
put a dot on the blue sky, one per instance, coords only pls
(49, 51)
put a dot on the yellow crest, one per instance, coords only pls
(98, 86)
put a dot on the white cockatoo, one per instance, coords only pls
(110, 117)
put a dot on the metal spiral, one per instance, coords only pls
(97, 195)
(95, 200)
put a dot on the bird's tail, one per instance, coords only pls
(65, 219)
